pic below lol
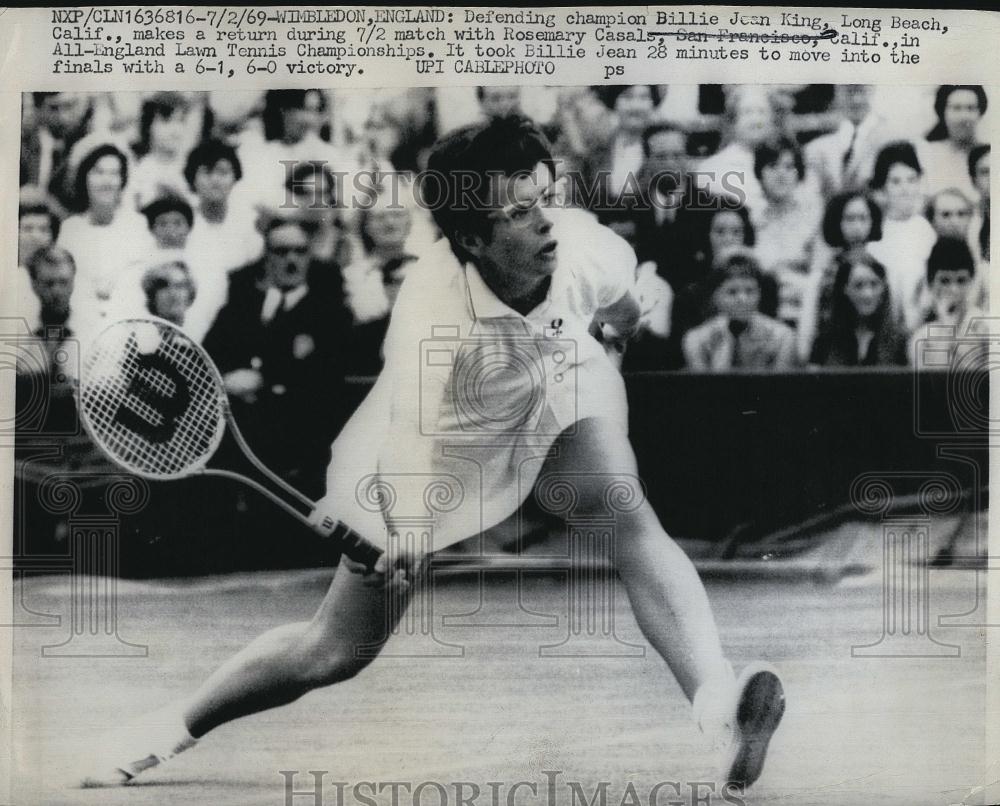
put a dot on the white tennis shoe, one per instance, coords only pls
(127, 752)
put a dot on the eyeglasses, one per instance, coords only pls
(553, 195)
(288, 250)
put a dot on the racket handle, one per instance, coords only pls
(350, 542)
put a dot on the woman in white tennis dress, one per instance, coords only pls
(492, 387)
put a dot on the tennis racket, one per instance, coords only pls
(154, 402)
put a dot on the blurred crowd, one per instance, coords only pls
(776, 227)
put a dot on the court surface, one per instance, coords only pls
(488, 708)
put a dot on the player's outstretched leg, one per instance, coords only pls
(671, 605)
(275, 669)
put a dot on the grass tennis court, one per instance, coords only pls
(857, 730)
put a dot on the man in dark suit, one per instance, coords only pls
(278, 343)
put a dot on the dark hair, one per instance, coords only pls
(609, 95)
(306, 171)
(167, 204)
(40, 207)
(940, 131)
(749, 233)
(660, 128)
(40, 97)
(481, 92)
(833, 232)
(949, 254)
(770, 152)
(154, 280)
(976, 153)
(160, 105)
(843, 315)
(81, 199)
(276, 102)
(500, 147)
(931, 205)
(899, 151)
(739, 264)
(50, 256)
(208, 154)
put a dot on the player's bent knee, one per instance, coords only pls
(323, 665)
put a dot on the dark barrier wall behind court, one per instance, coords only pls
(730, 457)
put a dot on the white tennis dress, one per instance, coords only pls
(451, 438)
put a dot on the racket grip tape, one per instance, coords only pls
(350, 542)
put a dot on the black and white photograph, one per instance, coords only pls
(501, 444)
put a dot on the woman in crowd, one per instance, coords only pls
(739, 336)
(852, 220)
(945, 152)
(224, 235)
(861, 330)
(106, 237)
(787, 225)
(162, 148)
(169, 290)
(372, 282)
(907, 237)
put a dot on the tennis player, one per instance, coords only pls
(494, 385)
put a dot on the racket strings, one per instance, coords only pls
(152, 399)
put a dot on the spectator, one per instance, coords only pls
(499, 102)
(787, 224)
(844, 159)
(48, 365)
(950, 213)
(223, 235)
(160, 150)
(312, 192)
(278, 347)
(37, 228)
(945, 152)
(722, 231)
(673, 208)
(907, 237)
(979, 227)
(62, 119)
(861, 330)
(738, 336)
(296, 130)
(169, 291)
(372, 282)
(852, 220)
(106, 238)
(169, 219)
(53, 273)
(323, 277)
(751, 118)
(611, 169)
(954, 322)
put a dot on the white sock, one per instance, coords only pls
(168, 735)
(713, 704)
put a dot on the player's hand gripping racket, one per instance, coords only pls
(154, 402)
